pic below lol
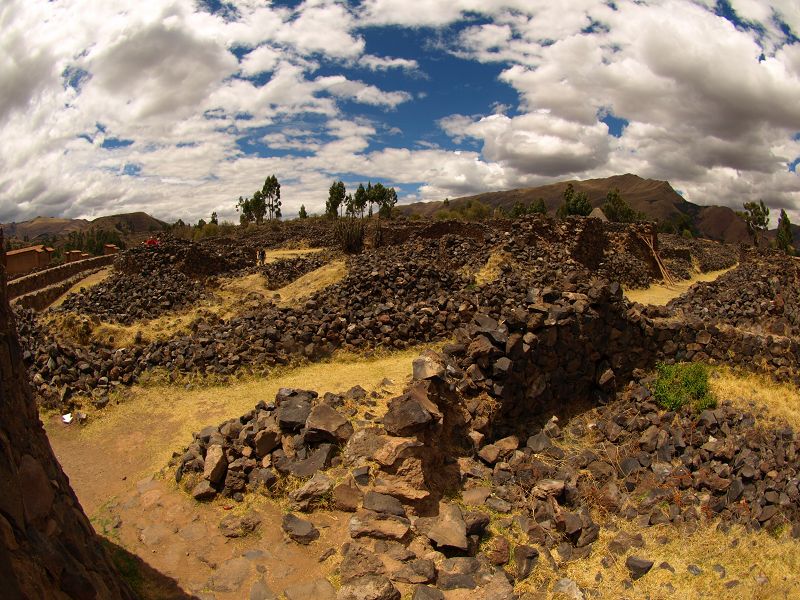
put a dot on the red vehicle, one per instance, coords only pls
(151, 242)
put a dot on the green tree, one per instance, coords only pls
(618, 210)
(303, 214)
(214, 218)
(245, 206)
(475, 210)
(756, 216)
(385, 198)
(359, 200)
(258, 204)
(336, 197)
(784, 238)
(538, 208)
(349, 203)
(518, 210)
(575, 203)
(271, 196)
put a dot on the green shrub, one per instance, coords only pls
(350, 234)
(681, 384)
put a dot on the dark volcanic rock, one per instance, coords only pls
(638, 567)
(300, 530)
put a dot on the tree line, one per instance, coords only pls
(265, 202)
(340, 203)
(92, 241)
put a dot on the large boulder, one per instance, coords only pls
(216, 465)
(449, 531)
(324, 424)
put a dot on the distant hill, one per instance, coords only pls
(40, 227)
(656, 199)
(137, 222)
(43, 226)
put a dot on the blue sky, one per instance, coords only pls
(177, 107)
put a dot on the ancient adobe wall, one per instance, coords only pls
(48, 548)
(48, 277)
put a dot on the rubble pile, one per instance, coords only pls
(297, 434)
(685, 256)
(196, 260)
(537, 487)
(284, 271)
(126, 298)
(420, 290)
(760, 296)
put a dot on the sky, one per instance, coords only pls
(178, 107)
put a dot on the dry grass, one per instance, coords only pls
(659, 294)
(285, 253)
(746, 557)
(311, 283)
(749, 390)
(88, 282)
(137, 433)
(491, 271)
(229, 300)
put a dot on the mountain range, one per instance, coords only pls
(658, 200)
(42, 228)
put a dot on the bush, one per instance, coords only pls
(350, 234)
(681, 384)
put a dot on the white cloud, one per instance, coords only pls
(261, 60)
(381, 63)
(706, 110)
(340, 86)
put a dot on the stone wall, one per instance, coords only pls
(40, 299)
(48, 548)
(560, 353)
(48, 277)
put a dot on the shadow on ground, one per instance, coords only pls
(146, 582)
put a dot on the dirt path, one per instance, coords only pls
(183, 541)
(660, 294)
(111, 462)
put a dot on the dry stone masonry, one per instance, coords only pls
(48, 548)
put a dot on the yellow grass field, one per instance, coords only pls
(659, 294)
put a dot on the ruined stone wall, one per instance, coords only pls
(562, 352)
(48, 277)
(559, 353)
(48, 548)
(40, 299)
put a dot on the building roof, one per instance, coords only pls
(598, 213)
(38, 248)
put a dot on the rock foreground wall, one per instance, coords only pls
(48, 548)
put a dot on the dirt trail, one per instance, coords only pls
(111, 462)
(660, 294)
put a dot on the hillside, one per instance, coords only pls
(137, 222)
(40, 227)
(43, 226)
(656, 199)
